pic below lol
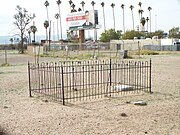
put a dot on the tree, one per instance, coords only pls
(46, 4)
(70, 3)
(102, 4)
(11, 40)
(29, 33)
(93, 3)
(79, 9)
(82, 3)
(59, 7)
(131, 34)
(174, 32)
(109, 35)
(149, 8)
(140, 11)
(73, 8)
(113, 5)
(122, 6)
(131, 7)
(57, 17)
(46, 25)
(34, 30)
(147, 20)
(22, 19)
(143, 21)
(159, 33)
(95, 32)
(140, 4)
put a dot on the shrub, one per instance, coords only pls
(147, 52)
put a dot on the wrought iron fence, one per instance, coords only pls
(83, 80)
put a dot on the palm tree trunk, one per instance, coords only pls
(114, 18)
(139, 21)
(132, 18)
(47, 18)
(46, 34)
(49, 34)
(57, 30)
(95, 32)
(104, 20)
(29, 39)
(34, 37)
(123, 21)
(150, 20)
(60, 21)
(22, 43)
(47, 14)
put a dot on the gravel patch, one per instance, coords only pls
(22, 115)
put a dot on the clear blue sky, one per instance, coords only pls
(165, 13)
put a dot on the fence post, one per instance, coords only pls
(110, 73)
(6, 57)
(110, 81)
(150, 73)
(62, 74)
(29, 75)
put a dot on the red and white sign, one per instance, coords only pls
(79, 19)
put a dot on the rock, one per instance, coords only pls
(45, 100)
(141, 103)
(123, 115)
(128, 102)
(5, 107)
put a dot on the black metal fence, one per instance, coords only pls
(83, 80)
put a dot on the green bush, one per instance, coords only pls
(147, 52)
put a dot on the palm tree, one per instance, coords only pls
(59, 3)
(147, 20)
(95, 32)
(131, 7)
(149, 8)
(57, 17)
(82, 3)
(79, 9)
(70, 3)
(46, 5)
(46, 25)
(102, 4)
(140, 4)
(93, 3)
(143, 21)
(122, 6)
(140, 11)
(11, 40)
(29, 33)
(113, 5)
(34, 30)
(73, 8)
(140, 15)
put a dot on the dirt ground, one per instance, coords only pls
(22, 115)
